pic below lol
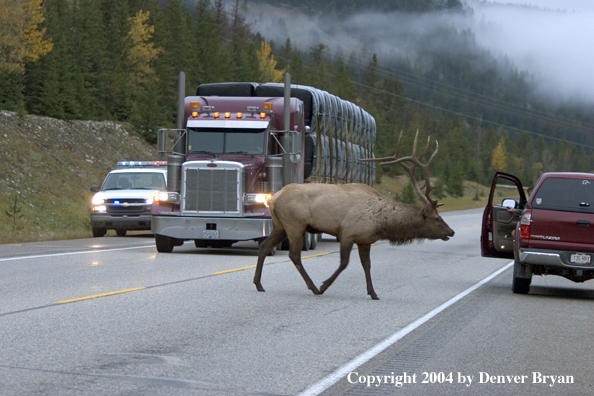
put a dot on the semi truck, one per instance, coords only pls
(238, 143)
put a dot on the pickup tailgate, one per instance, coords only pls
(561, 230)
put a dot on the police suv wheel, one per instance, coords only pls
(99, 232)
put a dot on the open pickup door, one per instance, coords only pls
(498, 221)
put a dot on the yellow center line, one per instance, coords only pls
(99, 295)
(233, 270)
(253, 266)
(141, 288)
(314, 255)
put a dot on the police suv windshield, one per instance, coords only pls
(226, 141)
(134, 181)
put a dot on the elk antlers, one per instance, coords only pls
(416, 163)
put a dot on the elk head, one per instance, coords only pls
(434, 226)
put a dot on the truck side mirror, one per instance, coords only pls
(94, 188)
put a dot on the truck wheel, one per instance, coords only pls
(164, 243)
(306, 241)
(200, 243)
(121, 233)
(314, 241)
(284, 244)
(99, 232)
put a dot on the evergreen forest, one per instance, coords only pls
(120, 59)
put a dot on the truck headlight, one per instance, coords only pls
(166, 197)
(252, 199)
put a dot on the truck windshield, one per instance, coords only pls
(134, 181)
(226, 141)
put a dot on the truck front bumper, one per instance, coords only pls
(216, 228)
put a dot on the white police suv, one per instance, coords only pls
(124, 200)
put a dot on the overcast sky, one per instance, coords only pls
(553, 40)
(569, 5)
(557, 46)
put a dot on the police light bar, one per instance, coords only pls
(141, 164)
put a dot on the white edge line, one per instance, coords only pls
(71, 253)
(343, 371)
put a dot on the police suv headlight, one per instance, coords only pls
(166, 197)
(252, 199)
(98, 199)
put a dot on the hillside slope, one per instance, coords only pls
(46, 168)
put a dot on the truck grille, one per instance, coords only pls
(213, 190)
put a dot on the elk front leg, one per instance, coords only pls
(295, 245)
(345, 252)
(275, 237)
(364, 251)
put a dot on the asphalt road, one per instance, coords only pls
(111, 316)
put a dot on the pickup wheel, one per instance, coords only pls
(121, 233)
(521, 285)
(164, 243)
(99, 232)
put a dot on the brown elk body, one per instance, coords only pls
(356, 214)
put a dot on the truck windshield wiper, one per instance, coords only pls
(204, 152)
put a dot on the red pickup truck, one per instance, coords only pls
(549, 233)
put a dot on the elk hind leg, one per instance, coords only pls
(295, 245)
(364, 251)
(275, 237)
(345, 252)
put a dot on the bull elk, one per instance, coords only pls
(355, 213)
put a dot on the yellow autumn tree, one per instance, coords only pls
(21, 40)
(267, 65)
(142, 51)
(498, 158)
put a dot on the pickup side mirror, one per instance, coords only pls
(94, 188)
(508, 202)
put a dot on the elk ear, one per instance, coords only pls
(427, 209)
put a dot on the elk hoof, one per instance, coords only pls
(260, 288)
(374, 296)
(315, 290)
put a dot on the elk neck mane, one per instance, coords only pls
(398, 222)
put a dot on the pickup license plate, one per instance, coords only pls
(580, 258)
(214, 234)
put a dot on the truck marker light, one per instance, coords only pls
(216, 115)
(195, 105)
(267, 106)
(227, 115)
(194, 114)
(262, 115)
(239, 115)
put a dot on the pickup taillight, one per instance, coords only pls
(525, 225)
